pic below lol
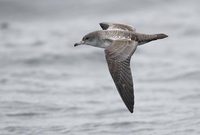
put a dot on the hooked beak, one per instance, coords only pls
(79, 43)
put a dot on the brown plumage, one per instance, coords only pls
(120, 42)
(118, 56)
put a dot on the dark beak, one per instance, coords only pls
(80, 43)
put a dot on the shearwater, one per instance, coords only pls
(119, 42)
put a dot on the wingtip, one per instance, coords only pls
(131, 109)
(104, 25)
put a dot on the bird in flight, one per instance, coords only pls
(119, 42)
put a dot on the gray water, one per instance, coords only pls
(48, 87)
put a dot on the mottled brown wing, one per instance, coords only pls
(116, 26)
(118, 56)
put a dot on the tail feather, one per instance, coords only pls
(145, 38)
(161, 36)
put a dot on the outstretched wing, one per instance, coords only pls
(116, 26)
(118, 56)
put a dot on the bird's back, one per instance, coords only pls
(115, 34)
(130, 35)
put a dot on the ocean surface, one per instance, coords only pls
(48, 87)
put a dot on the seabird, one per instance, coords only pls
(119, 42)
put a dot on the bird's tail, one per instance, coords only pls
(144, 38)
(160, 36)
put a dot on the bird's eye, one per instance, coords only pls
(86, 38)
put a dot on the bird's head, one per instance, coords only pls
(89, 39)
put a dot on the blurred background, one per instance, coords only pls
(48, 87)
